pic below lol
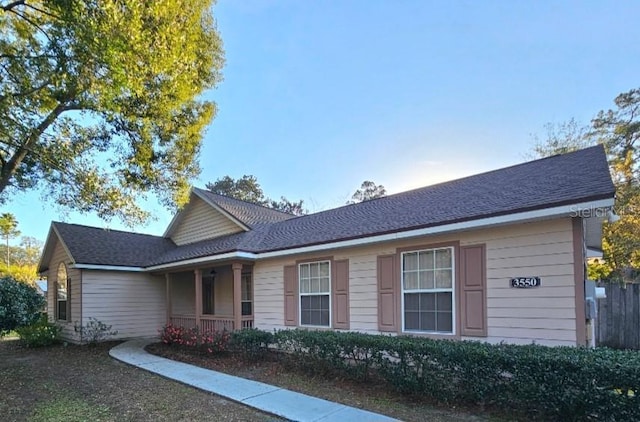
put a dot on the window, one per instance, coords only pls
(208, 295)
(315, 293)
(62, 284)
(246, 295)
(427, 291)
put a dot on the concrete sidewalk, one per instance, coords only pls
(268, 398)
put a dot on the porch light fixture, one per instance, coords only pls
(213, 274)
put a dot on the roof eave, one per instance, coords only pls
(558, 211)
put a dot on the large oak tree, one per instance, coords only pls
(101, 100)
(618, 129)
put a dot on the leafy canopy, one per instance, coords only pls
(368, 191)
(20, 305)
(101, 101)
(248, 189)
(618, 130)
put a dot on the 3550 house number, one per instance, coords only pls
(525, 282)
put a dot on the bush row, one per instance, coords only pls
(542, 383)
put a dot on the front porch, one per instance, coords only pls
(212, 298)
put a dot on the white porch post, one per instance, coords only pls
(237, 295)
(198, 280)
(168, 305)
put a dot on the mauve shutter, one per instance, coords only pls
(473, 298)
(387, 291)
(341, 294)
(290, 295)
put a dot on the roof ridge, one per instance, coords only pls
(501, 169)
(244, 202)
(107, 229)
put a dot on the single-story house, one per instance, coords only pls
(499, 256)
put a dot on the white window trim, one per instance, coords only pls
(58, 300)
(300, 294)
(452, 290)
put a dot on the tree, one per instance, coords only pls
(245, 189)
(619, 131)
(101, 101)
(8, 229)
(368, 191)
(20, 305)
(284, 205)
(248, 189)
(30, 248)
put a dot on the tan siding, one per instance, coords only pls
(541, 249)
(200, 222)
(268, 293)
(223, 292)
(183, 293)
(59, 255)
(132, 303)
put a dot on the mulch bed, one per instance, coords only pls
(276, 370)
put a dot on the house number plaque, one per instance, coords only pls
(525, 282)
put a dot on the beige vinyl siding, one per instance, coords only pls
(183, 294)
(59, 255)
(544, 315)
(132, 303)
(223, 292)
(200, 222)
(268, 294)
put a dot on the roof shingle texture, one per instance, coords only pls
(249, 214)
(559, 180)
(94, 245)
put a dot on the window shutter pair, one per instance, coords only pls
(339, 294)
(471, 286)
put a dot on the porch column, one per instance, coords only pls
(198, 280)
(237, 295)
(168, 305)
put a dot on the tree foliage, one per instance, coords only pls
(248, 189)
(618, 129)
(368, 191)
(20, 305)
(100, 101)
(8, 230)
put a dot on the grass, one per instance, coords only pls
(81, 383)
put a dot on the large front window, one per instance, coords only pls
(428, 290)
(315, 293)
(62, 284)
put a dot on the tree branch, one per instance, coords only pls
(11, 5)
(21, 152)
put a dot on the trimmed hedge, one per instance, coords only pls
(537, 382)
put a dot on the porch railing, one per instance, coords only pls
(211, 322)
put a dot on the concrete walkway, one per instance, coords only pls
(268, 398)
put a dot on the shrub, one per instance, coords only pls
(536, 382)
(42, 333)
(206, 341)
(94, 332)
(251, 343)
(20, 305)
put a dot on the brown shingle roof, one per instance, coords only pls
(249, 214)
(567, 179)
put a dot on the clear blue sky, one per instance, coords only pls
(319, 96)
